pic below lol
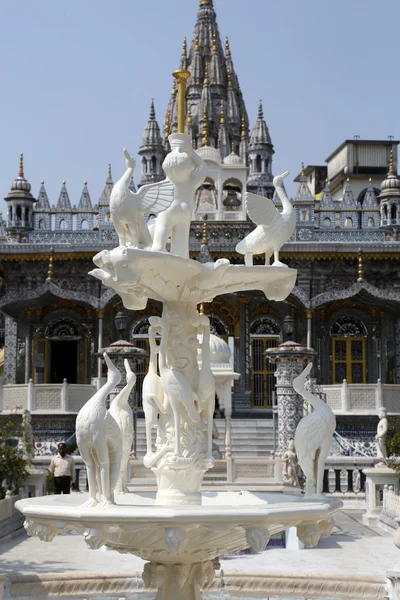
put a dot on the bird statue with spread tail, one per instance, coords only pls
(313, 436)
(273, 229)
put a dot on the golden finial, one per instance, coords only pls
(181, 75)
(360, 265)
(227, 47)
(21, 165)
(302, 170)
(189, 119)
(244, 128)
(390, 160)
(85, 182)
(42, 182)
(222, 119)
(206, 78)
(109, 171)
(233, 146)
(201, 310)
(50, 269)
(64, 182)
(214, 41)
(196, 43)
(326, 180)
(229, 77)
(348, 180)
(370, 180)
(205, 140)
(204, 241)
(184, 47)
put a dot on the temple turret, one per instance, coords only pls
(261, 151)
(20, 204)
(104, 218)
(151, 150)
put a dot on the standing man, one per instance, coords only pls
(62, 468)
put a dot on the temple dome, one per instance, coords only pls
(233, 159)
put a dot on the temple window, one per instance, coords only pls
(85, 224)
(348, 351)
(348, 223)
(265, 333)
(327, 222)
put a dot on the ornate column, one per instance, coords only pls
(244, 345)
(309, 328)
(10, 349)
(397, 346)
(291, 359)
(100, 316)
(28, 346)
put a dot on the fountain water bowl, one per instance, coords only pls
(181, 541)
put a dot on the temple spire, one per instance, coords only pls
(21, 165)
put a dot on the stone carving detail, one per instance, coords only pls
(99, 441)
(178, 581)
(381, 436)
(313, 436)
(290, 465)
(26, 444)
(10, 349)
(309, 534)
(44, 531)
(273, 229)
(257, 538)
(122, 413)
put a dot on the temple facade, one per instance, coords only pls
(346, 247)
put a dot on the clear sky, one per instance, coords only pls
(77, 78)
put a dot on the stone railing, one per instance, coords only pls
(62, 397)
(344, 477)
(390, 509)
(11, 520)
(363, 398)
(226, 585)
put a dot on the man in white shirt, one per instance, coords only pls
(62, 467)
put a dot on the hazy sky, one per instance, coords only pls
(77, 78)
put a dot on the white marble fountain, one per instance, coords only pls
(180, 530)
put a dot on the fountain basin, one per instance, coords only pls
(224, 522)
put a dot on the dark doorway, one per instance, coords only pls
(64, 362)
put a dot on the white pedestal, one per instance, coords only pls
(376, 479)
(292, 542)
(35, 483)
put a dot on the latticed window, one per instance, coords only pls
(348, 351)
(265, 333)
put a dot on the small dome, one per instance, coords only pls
(233, 159)
(220, 351)
(391, 182)
(208, 153)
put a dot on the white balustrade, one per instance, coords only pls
(45, 397)
(362, 398)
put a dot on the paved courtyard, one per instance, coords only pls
(353, 548)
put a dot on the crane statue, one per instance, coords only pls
(122, 413)
(313, 436)
(273, 229)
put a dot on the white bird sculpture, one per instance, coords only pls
(152, 390)
(122, 413)
(313, 436)
(128, 208)
(99, 441)
(274, 227)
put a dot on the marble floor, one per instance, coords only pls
(352, 547)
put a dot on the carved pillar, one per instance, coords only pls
(397, 342)
(309, 328)
(10, 350)
(100, 316)
(28, 347)
(290, 359)
(244, 345)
